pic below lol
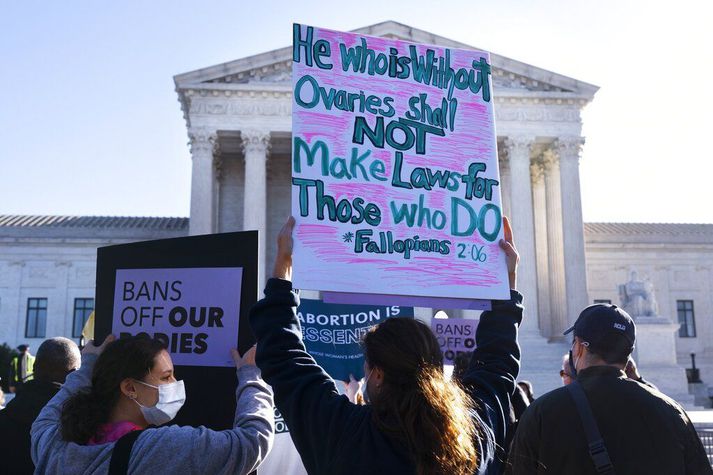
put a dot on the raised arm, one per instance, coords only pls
(305, 395)
(253, 427)
(202, 450)
(490, 377)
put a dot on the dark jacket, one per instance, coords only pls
(15, 423)
(645, 432)
(334, 436)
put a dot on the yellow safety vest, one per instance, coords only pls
(29, 369)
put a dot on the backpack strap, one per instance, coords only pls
(597, 449)
(119, 463)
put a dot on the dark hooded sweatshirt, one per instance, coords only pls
(334, 436)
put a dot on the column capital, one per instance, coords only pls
(504, 161)
(549, 160)
(203, 140)
(569, 147)
(537, 169)
(255, 140)
(518, 146)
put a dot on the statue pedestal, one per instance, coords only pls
(655, 355)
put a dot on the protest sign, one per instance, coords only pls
(283, 458)
(332, 333)
(194, 294)
(455, 335)
(395, 184)
(193, 311)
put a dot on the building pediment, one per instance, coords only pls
(271, 71)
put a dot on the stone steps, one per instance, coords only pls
(542, 361)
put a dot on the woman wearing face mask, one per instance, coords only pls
(416, 421)
(127, 385)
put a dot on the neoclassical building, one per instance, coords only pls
(238, 119)
(238, 116)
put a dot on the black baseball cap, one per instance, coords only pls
(599, 321)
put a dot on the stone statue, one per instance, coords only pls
(638, 298)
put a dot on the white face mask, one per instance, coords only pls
(170, 400)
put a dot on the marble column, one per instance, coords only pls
(61, 306)
(14, 304)
(568, 149)
(204, 144)
(539, 208)
(555, 247)
(518, 148)
(505, 184)
(256, 146)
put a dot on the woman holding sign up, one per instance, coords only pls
(416, 422)
(99, 421)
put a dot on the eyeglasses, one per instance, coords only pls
(563, 373)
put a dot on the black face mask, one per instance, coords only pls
(571, 364)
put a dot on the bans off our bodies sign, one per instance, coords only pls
(455, 336)
(394, 166)
(193, 311)
(193, 293)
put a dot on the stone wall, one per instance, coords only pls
(678, 259)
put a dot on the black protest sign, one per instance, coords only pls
(194, 294)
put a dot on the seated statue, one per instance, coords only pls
(638, 298)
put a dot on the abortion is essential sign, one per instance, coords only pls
(332, 333)
(194, 311)
(455, 335)
(394, 168)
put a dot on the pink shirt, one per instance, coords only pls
(112, 431)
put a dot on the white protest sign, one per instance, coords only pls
(395, 184)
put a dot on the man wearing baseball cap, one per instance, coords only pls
(605, 422)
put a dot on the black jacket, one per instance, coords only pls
(334, 436)
(15, 423)
(645, 432)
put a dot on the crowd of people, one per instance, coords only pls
(110, 412)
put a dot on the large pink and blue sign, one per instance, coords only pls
(395, 184)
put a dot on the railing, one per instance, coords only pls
(706, 436)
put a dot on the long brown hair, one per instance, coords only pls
(129, 357)
(416, 403)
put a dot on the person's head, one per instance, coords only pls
(413, 401)
(604, 334)
(24, 348)
(127, 379)
(566, 371)
(55, 359)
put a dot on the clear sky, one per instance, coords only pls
(90, 122)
